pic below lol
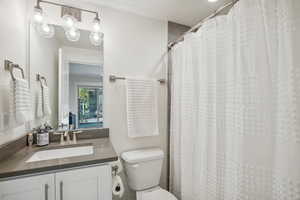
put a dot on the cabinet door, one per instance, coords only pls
(93, 183)
(33, 188)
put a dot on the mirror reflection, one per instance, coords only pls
(75, 71)
(85, 95)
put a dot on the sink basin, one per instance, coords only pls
(61, 153)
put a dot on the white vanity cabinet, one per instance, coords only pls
(33, 188)
(84, 184)
(91, 183)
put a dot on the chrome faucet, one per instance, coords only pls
(65, 137)
(75, 137)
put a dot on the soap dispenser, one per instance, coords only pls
(42, 136)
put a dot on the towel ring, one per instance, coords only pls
(10, 66)
(41, 79)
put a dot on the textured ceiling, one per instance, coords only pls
(187, 12)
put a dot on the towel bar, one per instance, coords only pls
(113, 78)
(10, 66)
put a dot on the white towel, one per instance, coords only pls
(45, 100)
(39, 108)
(20, 101)
(142, 111)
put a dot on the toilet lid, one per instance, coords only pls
(156, 194)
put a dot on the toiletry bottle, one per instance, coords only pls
(30, 139)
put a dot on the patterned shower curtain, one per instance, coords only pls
(235, 119)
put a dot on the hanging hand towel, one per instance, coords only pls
(21, 107)
(46, 102)
(142, 111)
(39, 105)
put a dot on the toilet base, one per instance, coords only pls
(156, 193)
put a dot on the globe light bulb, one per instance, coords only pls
(70, 21)
(38, 15)
(96, 38)
(96, 25)
(45, 30)
(73, 34)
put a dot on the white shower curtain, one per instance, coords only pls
(235, 116)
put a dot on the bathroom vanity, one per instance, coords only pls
(92, 183)
(80, 171)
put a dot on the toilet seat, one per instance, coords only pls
(155, 194)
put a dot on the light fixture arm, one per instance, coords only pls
(38, 4)
(97, 16)
(64, 5)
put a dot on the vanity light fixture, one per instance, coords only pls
(71, 15)
(212, 1)
(38, 14)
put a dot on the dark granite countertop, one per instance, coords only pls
(16, 164)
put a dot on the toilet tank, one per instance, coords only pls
(143, 168)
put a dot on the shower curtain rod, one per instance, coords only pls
(198, 25)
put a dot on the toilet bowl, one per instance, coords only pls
(155, 194)
(143, 170)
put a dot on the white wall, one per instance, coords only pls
(133, 46)
(12, 47)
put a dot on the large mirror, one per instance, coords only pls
(74, 75)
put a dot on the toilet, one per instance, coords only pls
(143, 170)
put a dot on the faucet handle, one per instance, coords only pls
(66, 134)
(62, 139)
(75, 137)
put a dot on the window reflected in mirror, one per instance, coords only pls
(86, 96)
